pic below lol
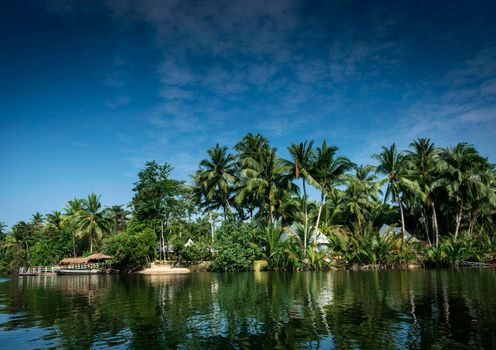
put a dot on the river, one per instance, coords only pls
(336, 310)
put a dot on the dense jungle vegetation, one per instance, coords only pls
(248, 208)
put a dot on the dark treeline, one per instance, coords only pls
(248, 208)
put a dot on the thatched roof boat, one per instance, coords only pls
(94, 258)
(88, 265)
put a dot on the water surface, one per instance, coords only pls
(423, 309)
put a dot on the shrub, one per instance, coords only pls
(132, 249)
(237, 247)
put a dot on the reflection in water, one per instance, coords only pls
(368, 310)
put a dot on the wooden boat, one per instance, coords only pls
(90, 265)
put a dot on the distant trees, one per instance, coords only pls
(444, 198)
(91, 220)
(157, 200)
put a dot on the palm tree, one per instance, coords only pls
(91, 220)
(365, 175)
(72, 210)
(355, 202)
(118, 216)
(482, 201)
(216, 177)
(327, 172)
(250, 150)
(424, 166)
(462, 176)
(54, 222)
(37, 219)
(262, 179)
(251, 146)
(302, 159)
(391, 163)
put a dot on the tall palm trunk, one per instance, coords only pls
(73, 244)
(435, 227)
(426, 225)
(322, 201)
(271, 212)
(458, 219)
(162, 241)
(402, 219)
(305, 228)
(471, 223)
(91, 241)
(211, 225)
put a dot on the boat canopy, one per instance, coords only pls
(94, 258)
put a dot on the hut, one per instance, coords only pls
(91, 259)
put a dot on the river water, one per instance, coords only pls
(424, 309)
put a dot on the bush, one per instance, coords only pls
(195, 253)
(237, 247)
(12, 255)
(132, 249)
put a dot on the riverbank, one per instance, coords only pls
(163, 269)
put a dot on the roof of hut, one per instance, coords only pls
(98, 256)
(85, 260)
(69, 261)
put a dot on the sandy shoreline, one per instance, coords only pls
(155, 269)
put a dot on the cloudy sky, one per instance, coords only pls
(90, 90)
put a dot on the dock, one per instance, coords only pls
(37, 270)
(477, 264)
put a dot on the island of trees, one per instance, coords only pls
(247, 208)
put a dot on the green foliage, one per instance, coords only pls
(195, 253)
(52, 248)
(13, 255)
(158, 199)
(369, 247)
(236, 247)
(248, 204)
(454, 250)
(132, 249)
(91, 221)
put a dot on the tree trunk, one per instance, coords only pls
(471, 224)
(91, 242)
(402, 219)
(458, 219)
(322, 200)
(162, 240)
(435, 227)
(73, 245)
(426, 226)
(305, 228)
(271, 212)
(211, 225)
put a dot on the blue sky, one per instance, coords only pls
(90, 90)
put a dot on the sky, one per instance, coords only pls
(91, 90)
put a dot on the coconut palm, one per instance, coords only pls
(302, 159)
(462, 176)
(216, 177)
(72, 210)
(37, 219)
(358, 199)
(91, 220)
(481, 202)
(366, 176)
(423, 163)
(327, 172)
(250, 150)
(263, 179)
(118, 217)
(54, 222)
(251, 146)
(392, 164)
